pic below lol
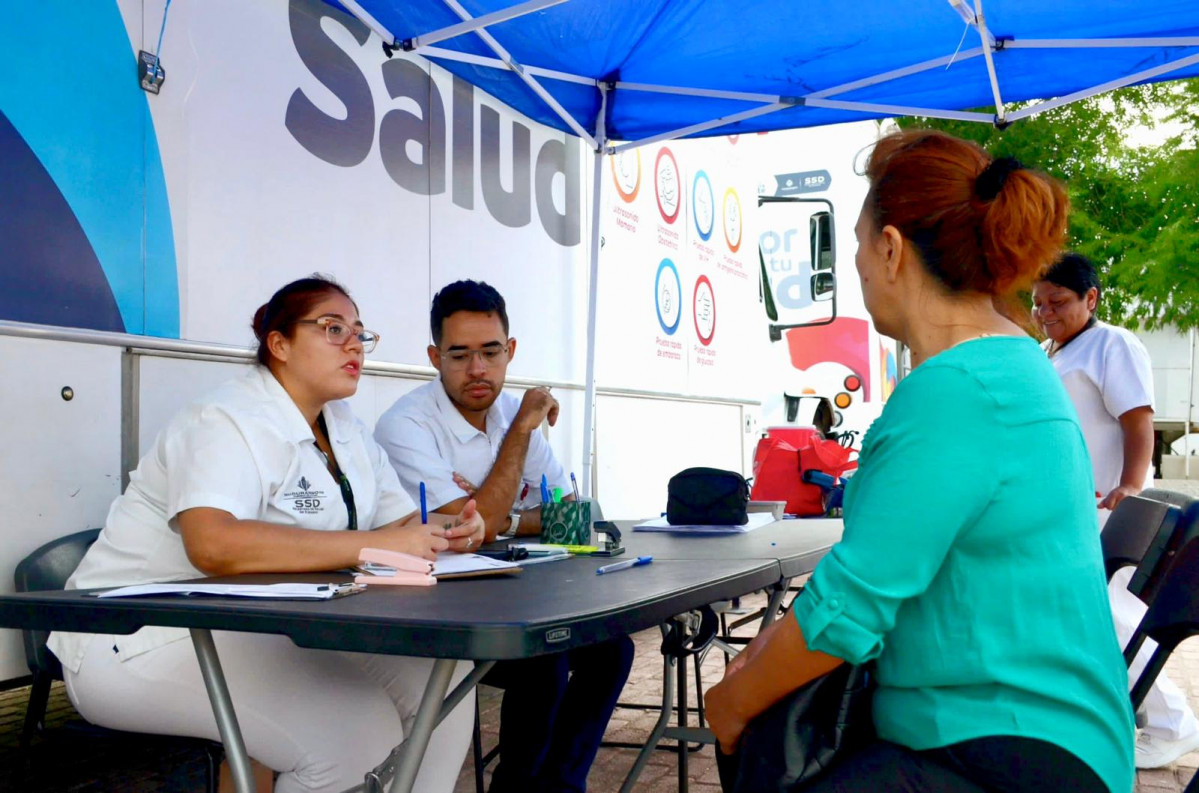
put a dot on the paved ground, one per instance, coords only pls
(69, 759)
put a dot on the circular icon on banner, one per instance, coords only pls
(666, 180)
(701, 205)
(668, 291)
(626, 173)
(732, 219)
(705, 310)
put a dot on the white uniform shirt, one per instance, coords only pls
(427, 440)
(244, 449)
(1107, 372)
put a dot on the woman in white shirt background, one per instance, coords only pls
(1108, 374)
(270, 473)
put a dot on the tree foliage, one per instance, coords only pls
(1133, 208)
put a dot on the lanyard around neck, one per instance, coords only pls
(1055, 348)
(347, 493)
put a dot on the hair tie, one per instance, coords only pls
(988, 183)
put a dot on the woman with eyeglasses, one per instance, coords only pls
(271, 473)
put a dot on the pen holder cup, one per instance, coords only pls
(566, 523)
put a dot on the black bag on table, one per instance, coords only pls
(798, 737)
(707, 496)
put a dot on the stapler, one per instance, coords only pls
(607, 539)
(393, 568)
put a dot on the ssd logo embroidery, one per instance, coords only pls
(555, 635)
(306, 501)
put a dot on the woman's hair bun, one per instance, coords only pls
(978, 224)
(990, 182)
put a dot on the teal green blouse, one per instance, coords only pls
(970, 565)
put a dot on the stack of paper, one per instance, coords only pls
(448, 565)
(756, 520)
(275, 591)
(451, 564)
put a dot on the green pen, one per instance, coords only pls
(557, 495)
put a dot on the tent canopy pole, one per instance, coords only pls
(589, 473)
(1165, 68)
(476, 23)
(980, 22)
(524, 75)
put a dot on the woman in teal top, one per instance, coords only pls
(970, 568)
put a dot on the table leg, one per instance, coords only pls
(681, 674)
(659, 729)
(222, 708)
(413, 750)
(776, 601)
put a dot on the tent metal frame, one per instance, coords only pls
(600, 145)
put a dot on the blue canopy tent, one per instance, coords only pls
(623, 73)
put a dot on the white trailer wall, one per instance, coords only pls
(290, 144)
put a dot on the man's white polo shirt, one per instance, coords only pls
(427, 440)
(245, 449)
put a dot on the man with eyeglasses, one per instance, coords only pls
(464, 438)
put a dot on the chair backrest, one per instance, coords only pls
(1131, 529)
(1173, 613)
(49, 567)
(1180, 500)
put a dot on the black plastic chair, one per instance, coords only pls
(48, 568)
(1131, 529)
(1173, 613)
(1181, 500)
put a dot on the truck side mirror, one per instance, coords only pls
(824, 284)
(820, 237)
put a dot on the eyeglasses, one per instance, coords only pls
(460, 359)
(339, 333)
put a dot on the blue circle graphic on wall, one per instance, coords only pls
(703, 205)
(668, 296)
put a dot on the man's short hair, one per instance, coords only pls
(477, 296)
(1075, 272)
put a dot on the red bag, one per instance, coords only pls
(778, 468)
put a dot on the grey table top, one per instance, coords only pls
(796, 545)
(548, 608)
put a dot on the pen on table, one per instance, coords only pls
(625, 565)
(424, 505)
(342, 590)
(545, 490)
(574, 485)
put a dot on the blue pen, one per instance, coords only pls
(625, 565)
(545, 490)
(574, 485)
(424, 505)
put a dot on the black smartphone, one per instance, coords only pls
(512, 553)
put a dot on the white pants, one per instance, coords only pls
(1166, 710)
(320, 718)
